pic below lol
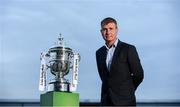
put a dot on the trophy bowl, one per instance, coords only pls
(60, 60)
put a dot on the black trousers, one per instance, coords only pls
(107, 101)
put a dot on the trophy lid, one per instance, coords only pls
(60, 45)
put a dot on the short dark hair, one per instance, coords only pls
(108, 20)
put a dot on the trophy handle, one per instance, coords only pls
(43, 69)
(74, 67)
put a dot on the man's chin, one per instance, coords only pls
(109, 40)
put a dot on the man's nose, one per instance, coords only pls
(107, 31)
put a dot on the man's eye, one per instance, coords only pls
(104, 29)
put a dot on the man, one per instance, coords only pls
(119, 67)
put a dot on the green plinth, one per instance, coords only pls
(59, 99)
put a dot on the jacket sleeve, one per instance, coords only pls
(136, 69)
(97, 62)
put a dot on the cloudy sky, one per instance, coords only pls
(29, 27)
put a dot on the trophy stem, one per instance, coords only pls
(59, 84)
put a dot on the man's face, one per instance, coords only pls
(109, 32)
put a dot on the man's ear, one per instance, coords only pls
(101, 31)
(117, 29)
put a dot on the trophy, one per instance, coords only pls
(60, 60)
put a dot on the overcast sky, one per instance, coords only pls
(29, 27)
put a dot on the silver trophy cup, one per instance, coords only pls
(60, 62)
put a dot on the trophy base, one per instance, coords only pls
(59, 86)
(59, 99)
